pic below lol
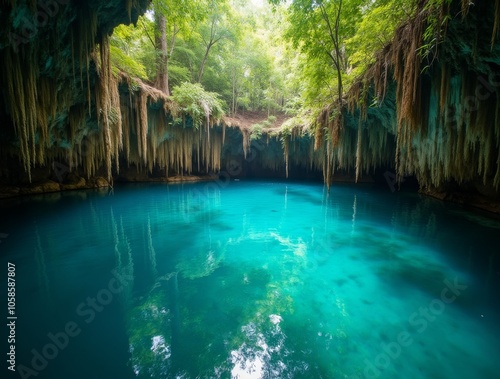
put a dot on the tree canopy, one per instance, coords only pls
(291, 57)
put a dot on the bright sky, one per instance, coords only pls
(258, 3)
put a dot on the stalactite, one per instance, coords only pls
(496, 24)
(104, 103)
(142, 125)
(21, 74)
(328, 167)
(76, 121)
(246, 142)
(206, 108)
(408, 76)
(496, 179)
(117, 119)
(86, 32)
(359, 149)
(47, 92)
(318, 136)
(444, 87)
(206, 150)
(286, 152)
(34, 100)
(127, 116)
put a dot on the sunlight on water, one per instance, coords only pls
(253, 280)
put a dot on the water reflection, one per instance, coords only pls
(243, 286)
(244, 282)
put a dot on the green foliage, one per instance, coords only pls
(333, 52)
(319, 29)
(126, 49)
(235, 48)
(287, 129)
(194, 101)
(125, 63)
(178, 74)
(256, 131)
(258, 58)
(437, 20)
(374, 30)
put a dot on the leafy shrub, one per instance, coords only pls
(256, 131)
(193, 100)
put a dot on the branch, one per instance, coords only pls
(174, 35)
(334, 60)
(217, 40)
(212, 29)
(147, 34)
(337, 21)
(334, 36)
(331, 33)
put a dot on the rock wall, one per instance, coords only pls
(52, 72)
(430, 110)
(69, 122)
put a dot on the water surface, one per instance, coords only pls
(251, 280)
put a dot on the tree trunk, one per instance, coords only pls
(162, 54)
(204, 61)
(233, 103)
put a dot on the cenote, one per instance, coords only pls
(250, 189)
(258, 279)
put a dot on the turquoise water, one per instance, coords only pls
(251, 280)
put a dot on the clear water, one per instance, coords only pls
(251, 280)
